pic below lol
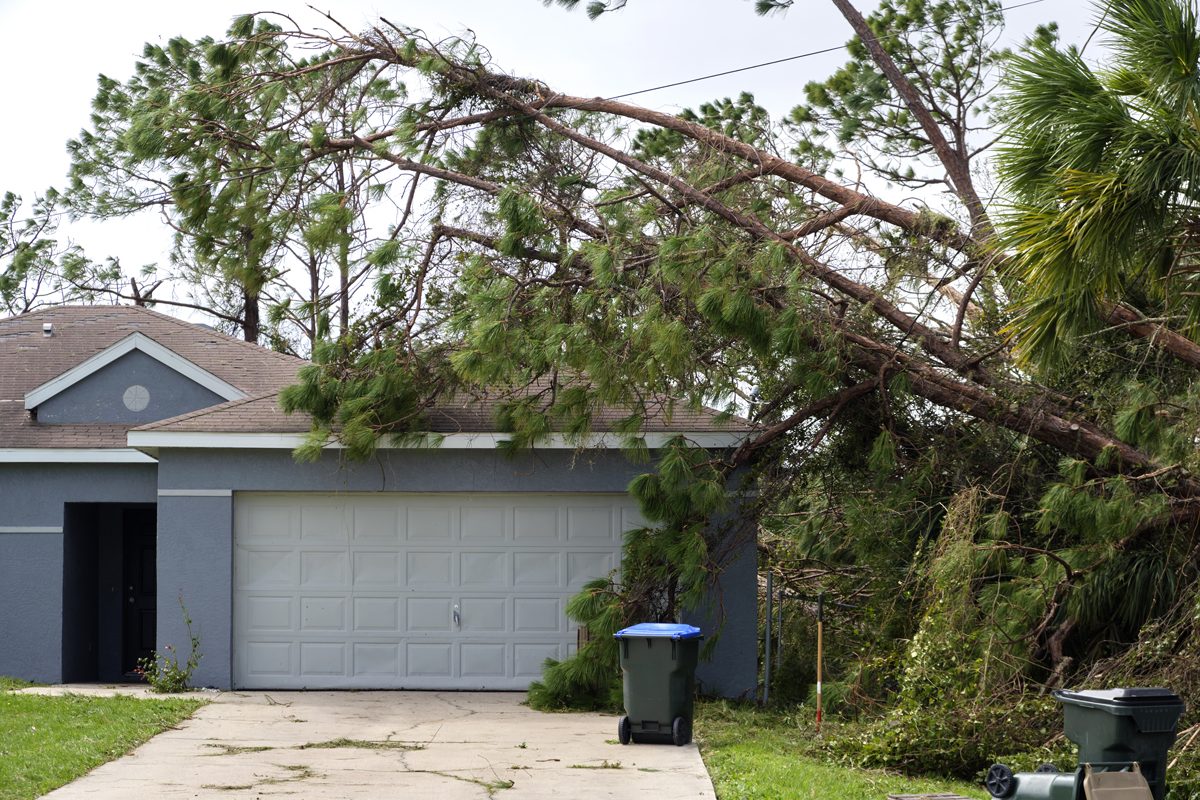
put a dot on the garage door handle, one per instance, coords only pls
(457, 617)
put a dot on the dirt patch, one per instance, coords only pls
(361, 744)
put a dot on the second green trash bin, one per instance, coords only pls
(658, 666)
(1124, 725)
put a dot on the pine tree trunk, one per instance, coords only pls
(250, 316)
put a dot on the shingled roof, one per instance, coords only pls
(28, 359)
(466, 414)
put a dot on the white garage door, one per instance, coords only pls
(451, 591)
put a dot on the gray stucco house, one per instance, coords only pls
(144, 459)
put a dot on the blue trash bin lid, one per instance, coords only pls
(659, 630)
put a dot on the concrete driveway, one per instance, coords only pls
(376, 745)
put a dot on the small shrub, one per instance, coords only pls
(163, 671)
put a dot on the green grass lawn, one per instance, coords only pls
(765, 755)
(46, 742)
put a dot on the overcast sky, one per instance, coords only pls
(53, 51)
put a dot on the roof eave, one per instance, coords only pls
(75, 455)
(153, 440)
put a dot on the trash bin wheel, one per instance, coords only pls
(1000, 781)
(681, 731)
(624, 731)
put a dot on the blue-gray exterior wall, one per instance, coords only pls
(32, 502)
(99, 396)
(732, 612)
(31, 570)
(195, 569)
(195, 531)
(437, 470)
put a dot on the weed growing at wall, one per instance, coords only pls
(163, 671)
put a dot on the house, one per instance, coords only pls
(145, 465)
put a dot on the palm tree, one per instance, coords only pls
(1102, 166)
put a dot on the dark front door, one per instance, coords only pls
(139, 586)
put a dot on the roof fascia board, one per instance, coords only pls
(134, 341)
(73, 455)
(451, 441)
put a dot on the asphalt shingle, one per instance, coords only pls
(28, 359)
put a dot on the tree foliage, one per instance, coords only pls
(36, 269)
(271, 239)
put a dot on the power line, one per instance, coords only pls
(797, 57)
(736, 70)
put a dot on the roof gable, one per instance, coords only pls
(30, 359)
(134, 341)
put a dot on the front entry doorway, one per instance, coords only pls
(141, 589)
(109, 590)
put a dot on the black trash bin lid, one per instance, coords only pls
(1096, 698)
(659, 630)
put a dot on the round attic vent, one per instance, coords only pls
(136, 398)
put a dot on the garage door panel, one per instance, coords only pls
(360, 591)
(484, 614)
(322, 614)
(590, 525)
(538, 615)
(483, 660)
(374, 568)
(529, 657)
(268, 659)
(429, 569)
(378, 521)
(585, 566)
(377, 660)
(535, 524)
(322, 523)
(426, 524)
(324, 568)
(265, 522)
(268, 614)
(483, 570)
(484, 524)
(264, 569)
(430, 659)
(537, 569)
(322, 659)
(429, 614)
(376, 615)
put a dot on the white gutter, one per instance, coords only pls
(450, 441)
(73, 455)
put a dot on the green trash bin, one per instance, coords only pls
(658, 666)
(1120, 726)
